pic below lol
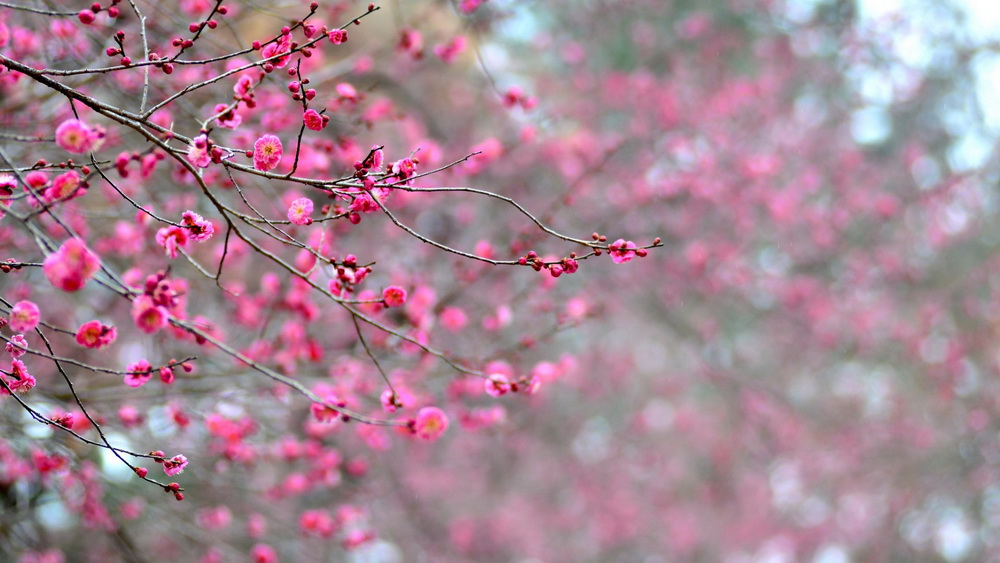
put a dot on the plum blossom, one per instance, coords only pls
(23, 381)
(337, 36)
(497, 384)
(622, 251)
(77, 137)
(138, 373)
(394, 296)
(72, 266)
(17, 346)
(280, 47)
(171, 238)
(175, 465)
(64, 186)
(299, 211)
(149, 316)
(228, 119)
(267, 152)
(430, 424)
(24, 316)
(96, 335)
(313, 120)
(199, 153)
(198, 229)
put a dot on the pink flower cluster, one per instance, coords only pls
(72, 266)
(192, 226)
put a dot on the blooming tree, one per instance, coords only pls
(310, 269)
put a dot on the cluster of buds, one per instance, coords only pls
(567, 265)
(296, 87)
(162, 64)
(348, 273)
(120, 49)
(7, 267)
(88, 16)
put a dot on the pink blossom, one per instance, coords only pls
(23, 381)
(364, 203)
(24, 316)
(148, 316)
(17, 346)
(337, 36)
(95, 335)
(392, 401)
(622, 251)
(243, 86)
(299, 211)
(323, 413)
(267, 152)
(75, 136)
(138, 373)
(228, 120)
(497, 384)
(280, 47)
(198, 229)
(313, 120)
(198, 152)
(171, 238)
(72, 266)
(64, 186)
(394, 296)
(175, 465)
(430, 424)
(347, 92)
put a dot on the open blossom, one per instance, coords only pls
(337, 36)
(96, 335)
(394, 296)
(198, 152)
(22, 381)
(497, 384)
(138, 373)
(72, 266)
(228, 120)
(622, 251)
(431, 423)
(280, 47)
(198, 229)
(64, 186)
(17, 346)
(313, 120)
(24, 316)
(148, 316)
(77, 137)
(267, 153)
(175, 465)
(323, 413)
(171, 238)
(299, 211)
